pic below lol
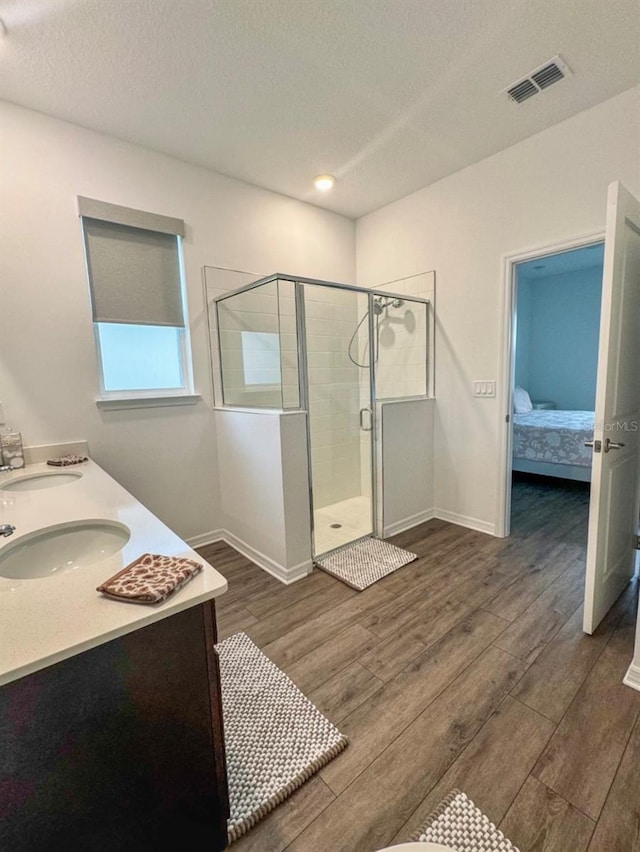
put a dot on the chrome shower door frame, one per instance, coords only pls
(303, 375)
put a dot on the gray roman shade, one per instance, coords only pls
(133, 264)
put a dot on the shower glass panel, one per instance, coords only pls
(258, 347)
(337, 327)
(401, 340)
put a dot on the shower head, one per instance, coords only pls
(378, 304)
(382, 302)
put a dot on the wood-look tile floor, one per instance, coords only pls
(467, 668)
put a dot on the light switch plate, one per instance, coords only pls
(485, 388)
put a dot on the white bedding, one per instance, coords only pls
(553, 436)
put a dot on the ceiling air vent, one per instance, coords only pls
(541, 78)
(523, 90)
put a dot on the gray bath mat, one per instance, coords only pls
(364, 562)
(458, 823)
(275, 738)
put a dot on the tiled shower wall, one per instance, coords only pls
(402, 340)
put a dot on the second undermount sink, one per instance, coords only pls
(61, 548)
(38, 481)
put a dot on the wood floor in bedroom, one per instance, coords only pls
(466, 669)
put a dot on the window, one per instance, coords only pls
(140, 357)
(134, 266)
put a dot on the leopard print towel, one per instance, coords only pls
(150, 579)
(65, 461)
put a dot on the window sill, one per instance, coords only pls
(115, 403)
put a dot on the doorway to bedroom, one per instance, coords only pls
(556, 325)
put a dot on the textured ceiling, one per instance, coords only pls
(388, 95)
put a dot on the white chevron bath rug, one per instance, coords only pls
(275, 738)
(362, 563)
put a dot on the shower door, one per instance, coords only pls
(340, 413)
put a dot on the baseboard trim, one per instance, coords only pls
(204, 539)
(408, 523)
(302, 569)
(285, 575)
(465, 521)
(632, 677)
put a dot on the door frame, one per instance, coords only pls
(509, 305)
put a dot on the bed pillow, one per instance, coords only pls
(521, 401)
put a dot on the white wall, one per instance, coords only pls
(546, 189)
(48, 382)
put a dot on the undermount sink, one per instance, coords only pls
(62, 548)
(38, 481)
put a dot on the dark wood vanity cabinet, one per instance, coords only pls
(118, 748)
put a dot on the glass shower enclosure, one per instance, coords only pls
(337, 352)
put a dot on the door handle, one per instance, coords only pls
(611, 445)
(363, 412)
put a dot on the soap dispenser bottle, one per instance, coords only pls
(11, 451)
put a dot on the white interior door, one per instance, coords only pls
(615, 483)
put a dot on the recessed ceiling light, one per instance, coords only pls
(324, 182)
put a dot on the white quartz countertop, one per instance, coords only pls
(45, 620)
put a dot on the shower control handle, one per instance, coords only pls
(366, 419)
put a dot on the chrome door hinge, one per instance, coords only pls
(636, 542)
(508, 418)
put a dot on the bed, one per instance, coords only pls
(551, 443)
